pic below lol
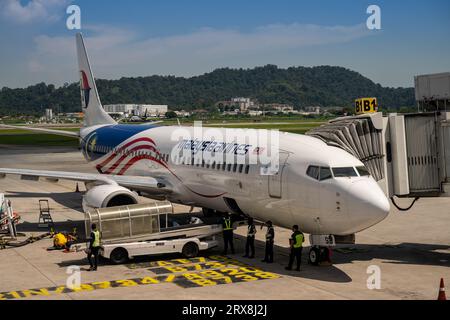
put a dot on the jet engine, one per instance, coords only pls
(107, 195)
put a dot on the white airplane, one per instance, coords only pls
(323, 189)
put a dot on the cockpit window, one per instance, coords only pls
(363, 171)
(313, 172)
(325, 173)
(344, 172)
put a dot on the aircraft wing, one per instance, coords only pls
(44, 130)
(132, 182)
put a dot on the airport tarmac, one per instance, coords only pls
(412, 250)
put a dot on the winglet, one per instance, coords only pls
(94, 113)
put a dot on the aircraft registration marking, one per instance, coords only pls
(163, 263)
(224, 276)
(192, 267)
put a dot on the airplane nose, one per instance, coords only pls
(379, 206)
(367, 203)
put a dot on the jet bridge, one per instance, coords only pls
(407, 154)
(361, 136)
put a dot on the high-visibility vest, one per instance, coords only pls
(227, 226)
(96, 242)
(298, 240)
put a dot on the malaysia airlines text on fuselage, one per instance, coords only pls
(214, 147)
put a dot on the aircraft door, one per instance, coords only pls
(275, 178)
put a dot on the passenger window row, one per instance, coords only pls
(237, 168)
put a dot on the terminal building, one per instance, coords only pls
(140, 110)
(433, 92)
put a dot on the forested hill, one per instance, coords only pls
(325, 86)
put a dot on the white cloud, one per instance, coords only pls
(117, 52)
(34, 10)
(35, 66)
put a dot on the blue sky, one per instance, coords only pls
(191, 37)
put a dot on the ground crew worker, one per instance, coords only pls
(227, 227)
(250, 244)
(270, 237)
(94, 247)
(63, 240)
(59, 241)
(295, 242)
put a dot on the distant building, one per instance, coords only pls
(182, 113)
(48, 115)
(313, 109)
(334, 110)
(255, 113)
(200, 111)
(139, 110)
(153, 110)
(280, 107)
(243, 104)
(234, 112)
(73, 115)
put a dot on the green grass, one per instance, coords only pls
(24, 137)
(287, 125)
(298, 128)
(267, 125)
(21, 137)
(20, 131)
(244, 120)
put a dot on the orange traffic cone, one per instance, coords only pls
(441, 295)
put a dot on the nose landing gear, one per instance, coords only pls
(320, 252)
(319, 255)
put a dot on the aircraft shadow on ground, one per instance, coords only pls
(71, 200)
(328, 273)
(104, 262)
(281, 259)
(322, 273)
(403, 253)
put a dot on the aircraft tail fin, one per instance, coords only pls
(94, 114)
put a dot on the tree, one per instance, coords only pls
(298, 86)
(170, 115)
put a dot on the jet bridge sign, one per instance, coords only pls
(366, 105)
